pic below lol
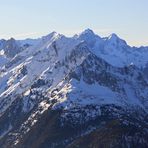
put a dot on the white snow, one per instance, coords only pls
(80, 93)
(42, 58)
(2, 52)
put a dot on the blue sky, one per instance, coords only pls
(34, 18)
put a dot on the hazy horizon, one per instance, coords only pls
(33, 19)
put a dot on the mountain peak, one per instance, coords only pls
(89, 36)
(88, 31)
(12, 40)
(113, 38)
(50, 35)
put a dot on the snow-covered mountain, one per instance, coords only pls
(78, 87)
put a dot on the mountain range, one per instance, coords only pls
(83, 91)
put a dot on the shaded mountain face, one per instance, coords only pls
(10, 48)
(84, 91)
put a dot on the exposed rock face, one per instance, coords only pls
(84, 91)
(11, 48)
